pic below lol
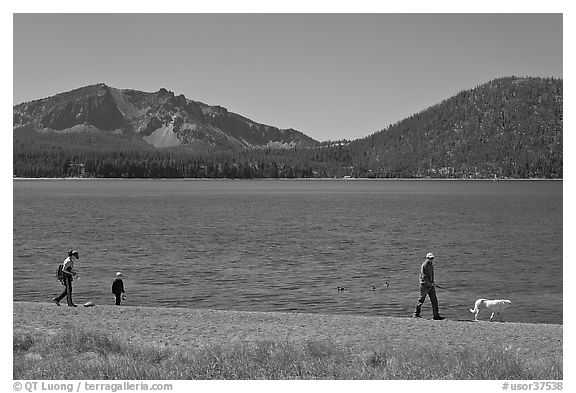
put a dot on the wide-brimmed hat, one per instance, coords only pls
(429, 256)
(118, 274)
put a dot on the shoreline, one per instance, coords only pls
(280, 179)
(192, 329)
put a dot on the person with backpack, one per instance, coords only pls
(118, 288)
(66, 274)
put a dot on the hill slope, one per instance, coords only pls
(161, 119)
(509, 127)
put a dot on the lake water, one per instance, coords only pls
(274, 245)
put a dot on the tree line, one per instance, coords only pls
(333, 162)
(508, 128)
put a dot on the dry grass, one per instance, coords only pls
(108, 342)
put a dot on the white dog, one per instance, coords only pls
(494, 306)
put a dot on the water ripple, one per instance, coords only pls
(287, 246)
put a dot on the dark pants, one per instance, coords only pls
(431, 292)
(118, 298)
(67, 290)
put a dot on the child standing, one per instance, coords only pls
(118, 288)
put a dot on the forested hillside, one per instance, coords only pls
(507, 128)
(510, 127)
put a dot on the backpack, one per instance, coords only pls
(60, 274)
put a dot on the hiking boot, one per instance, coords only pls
(438, 318)
(56, 301)
(416, 316)
(72, 305)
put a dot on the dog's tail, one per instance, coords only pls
(474, 309)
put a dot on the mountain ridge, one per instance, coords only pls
(161, 118)
(509, 127)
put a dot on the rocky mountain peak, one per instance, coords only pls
(161, 119)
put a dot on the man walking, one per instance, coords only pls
(68, 277)
(427, 287)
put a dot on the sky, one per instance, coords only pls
(331, 76)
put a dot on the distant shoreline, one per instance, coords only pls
(277, 179)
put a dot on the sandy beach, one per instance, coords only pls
(196, 328)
